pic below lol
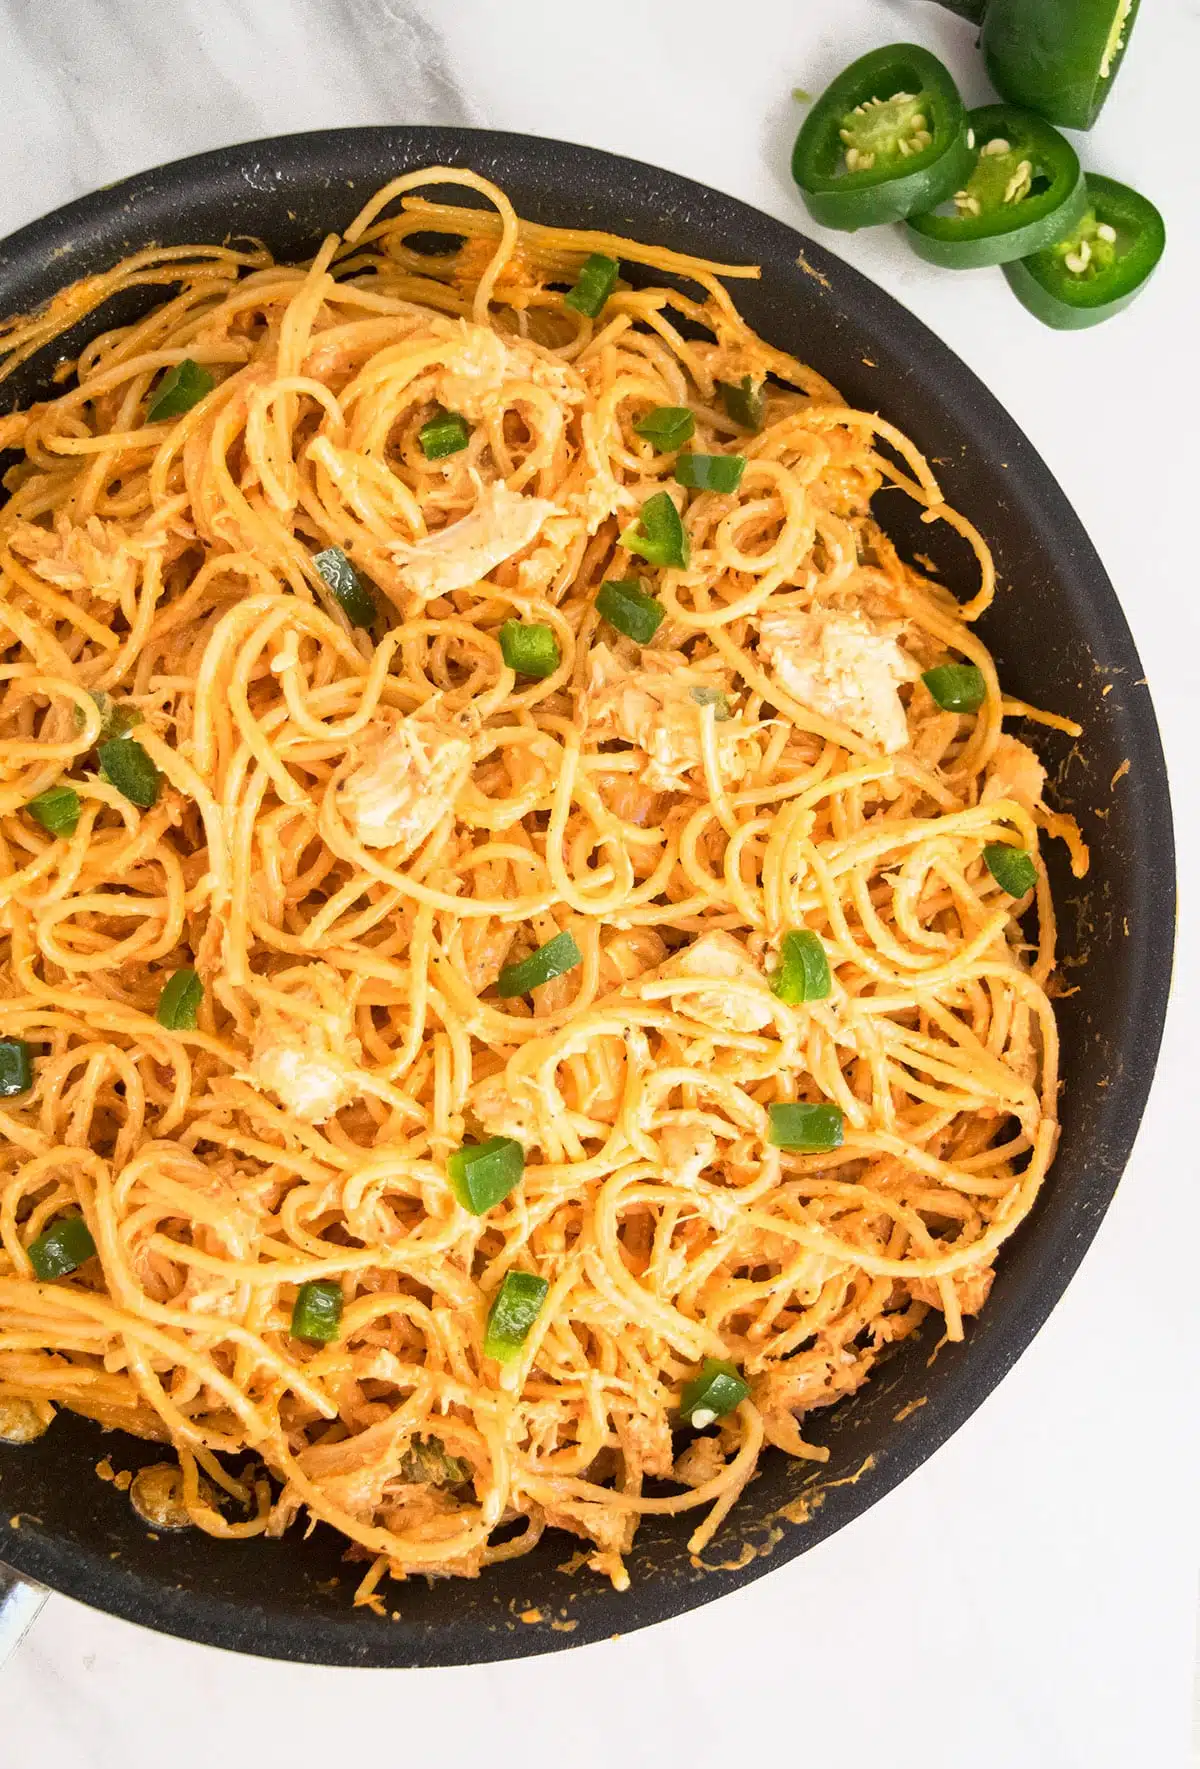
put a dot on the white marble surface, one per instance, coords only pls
(1027, 1598)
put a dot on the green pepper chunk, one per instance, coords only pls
(180, 1001)
(717, 699)
(956, 687)
(1059, 57)
(529, 648)
(445, 434)
(710, 472)
(597, 280)
(720, 1388)
(554, 959)
(16, 1067)
(803, 972)
(625, 605)
(483, 1173)
(426, 1463)
(349, 590)
(61, 1248)
(1011, 867)
(517, 1304)
(317, 1312)
(1025, 191)
(887, 139)
(116, 719)
(180, 389)
(658, 536)
(805, 1129)
(743, 401)
(1098, 268)
(668, 427)
(56, 809)
(125, 765)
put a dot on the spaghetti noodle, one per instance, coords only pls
(353, 825)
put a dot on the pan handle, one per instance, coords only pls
(20, 1606)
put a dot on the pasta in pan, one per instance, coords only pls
(515, 984)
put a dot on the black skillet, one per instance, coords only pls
(1061, 640)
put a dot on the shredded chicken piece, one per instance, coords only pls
(630, 954)
(542, 564)
(479, 364)
(310, 1083)
(720, 955)
(843, 667)
(970, 1287)
(359, 1488)
(484, 369)
(933, 738)
(370, 1460)
(646, 1443)
(94, 558)
(687, 1148)
(595, 1523)
(816, 1378)
(207, 1292)
(311, 1064)
(404, 781)
(458, 556)
(660, 707)
(602, 495)
(501, 1113)
(702, 1461)
(1014, 773)
(631, 800)
(484, 949)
